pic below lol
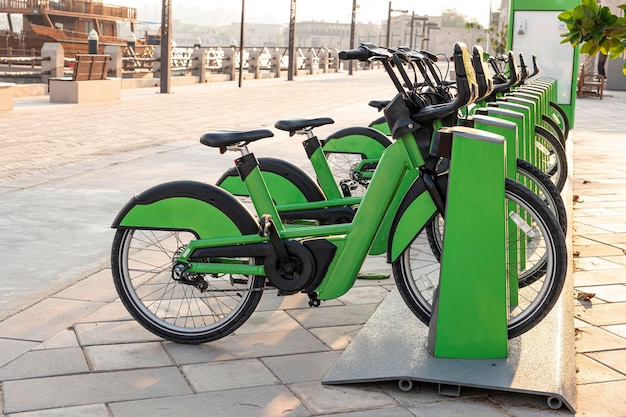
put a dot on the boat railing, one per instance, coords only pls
(69, 6)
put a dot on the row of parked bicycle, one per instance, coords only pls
(191, 260)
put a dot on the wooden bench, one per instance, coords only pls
(88, 83)
(589, 84)
(91, 67)
(6, 96)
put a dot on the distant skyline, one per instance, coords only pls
(277, 11)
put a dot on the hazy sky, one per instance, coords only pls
(273, 11)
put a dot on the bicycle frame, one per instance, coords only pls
(353, 240)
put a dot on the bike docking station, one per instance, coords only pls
(466, 343)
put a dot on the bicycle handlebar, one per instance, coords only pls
(467, 88)
(513, 76)
(365, 52)
(536, 68)
(524, 68)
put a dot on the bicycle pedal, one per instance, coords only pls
(265, 224)
(350, 184)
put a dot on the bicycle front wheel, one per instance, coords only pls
(552, 157)
(541, 272)
(200, 308)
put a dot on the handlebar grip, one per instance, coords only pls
(361, 54)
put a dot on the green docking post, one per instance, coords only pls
(470, 308)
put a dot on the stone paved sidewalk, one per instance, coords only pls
(69, 348)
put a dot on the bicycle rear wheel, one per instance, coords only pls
(541, 273)
(343, 167)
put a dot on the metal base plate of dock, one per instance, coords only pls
(392, 346)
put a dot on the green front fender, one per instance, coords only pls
(415, 212)
(203, 209)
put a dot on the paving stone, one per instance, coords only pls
(113, 333)
(64, 391)
(268, 321)
(602, 314)
(326, 399)
(595, 263)
(336, 337)
(49, 362)
(271, 302)
(610, 293)
(601, 400)
(273, 400)
(533, 412)
(590, 339)
(460, 407)
(582, 229)
(218, 376)
(601, 277)
(97, 287)
(11, 349)
(63, 339)
(597, 249)
(613, 359)
(333, 316)
(608, 238)
(301, 368)
(379, 412)
(246, 346)
(96, 410)
(114, 311)
(596, 212)
(364, 295)
(127, 356)
(45, 319)
(592, 371)
(618, 329)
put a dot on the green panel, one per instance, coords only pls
(523, 135)
(470, 317)
(543, 4)
(182, 213)
(358, 144)
(508, 131)
(381, 241)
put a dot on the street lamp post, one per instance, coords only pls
(412, 28)
(292, 41)
(426, 40)
(241, 40)
(166, 46)
(352, 33)
(388, 42)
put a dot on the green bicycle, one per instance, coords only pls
(190, 262)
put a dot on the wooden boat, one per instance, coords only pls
(65, 21)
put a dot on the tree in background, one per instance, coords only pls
(596, 29)
(451, 18)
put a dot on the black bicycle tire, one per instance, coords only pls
(564, 117)
(557, 267)
(553, 128)
(559, 169)
(171, 331)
